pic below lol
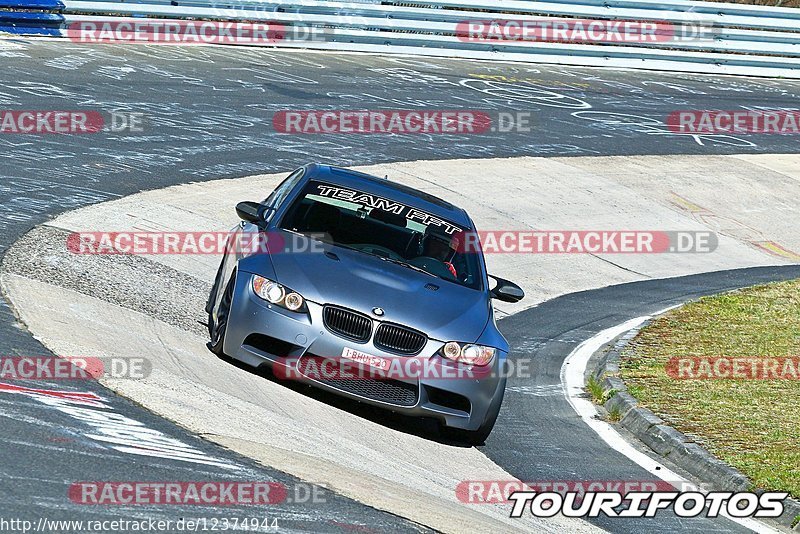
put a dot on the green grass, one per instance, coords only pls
(596, 391)
(753, 425)
(614, 414)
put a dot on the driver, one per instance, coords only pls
(441, 247)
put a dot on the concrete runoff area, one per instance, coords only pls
(679, 193)
(67, 302)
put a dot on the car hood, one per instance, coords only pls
(362, 282)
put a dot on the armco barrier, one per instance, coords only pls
(735, 38)
(31, 17)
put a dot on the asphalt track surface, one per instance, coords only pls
(208, 113)
(539, 437)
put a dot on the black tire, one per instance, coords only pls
(217, 329)
(212, 296)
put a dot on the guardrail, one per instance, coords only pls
(689, 36)
(31, 17)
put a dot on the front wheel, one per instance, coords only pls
(217, 329)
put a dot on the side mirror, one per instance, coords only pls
(506, 291)
(249, 212)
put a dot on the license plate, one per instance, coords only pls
(367, 359)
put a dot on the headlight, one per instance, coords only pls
(469, 354)
(277, 294)
(293, 301)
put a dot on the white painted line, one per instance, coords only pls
(572, 372)
(114, 430)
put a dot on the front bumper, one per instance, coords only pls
(260, 333)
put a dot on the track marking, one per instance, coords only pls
(572, 373)
(745, 233)
(775, 249)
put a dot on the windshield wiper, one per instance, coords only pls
(404, 264)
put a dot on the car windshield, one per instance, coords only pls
(384, 228)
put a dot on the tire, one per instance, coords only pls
(217, 329)
(212, 296)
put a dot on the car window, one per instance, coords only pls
(386, 228)
(282, 191)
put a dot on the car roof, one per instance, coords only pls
(382, 187)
